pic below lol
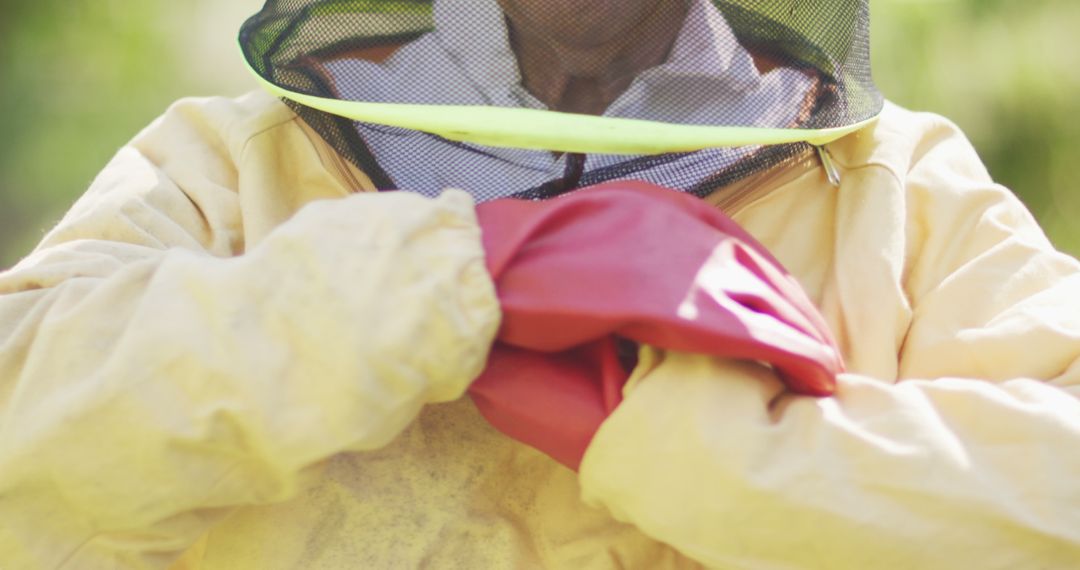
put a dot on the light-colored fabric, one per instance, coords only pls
(154, 379)
(221, 341)
(467, 60)
(955, 440)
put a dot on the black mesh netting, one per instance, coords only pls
(775, 64)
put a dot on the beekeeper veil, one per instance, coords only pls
(535, 98)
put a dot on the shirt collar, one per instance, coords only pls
(708, 48)
(475, 34)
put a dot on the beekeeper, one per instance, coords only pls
(242, 348)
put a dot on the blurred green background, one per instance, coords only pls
(78, 79)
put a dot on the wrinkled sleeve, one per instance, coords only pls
(152, 377)
(970, 460)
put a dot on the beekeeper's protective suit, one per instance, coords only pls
(232, 353)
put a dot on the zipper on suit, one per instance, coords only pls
(746, 196)
(750, 193)
(829, 165)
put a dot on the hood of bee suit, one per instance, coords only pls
(424, 95)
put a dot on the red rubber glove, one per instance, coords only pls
(638, 261)
(554, 402)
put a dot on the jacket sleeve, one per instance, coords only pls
(970, 460)
(151, 380)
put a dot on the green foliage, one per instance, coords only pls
(1007, 72)
(78, 79)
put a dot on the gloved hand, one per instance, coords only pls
(645, 263)
(554, 402)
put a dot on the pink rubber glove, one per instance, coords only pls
(631, 260)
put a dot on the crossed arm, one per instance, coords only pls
(152, 382)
